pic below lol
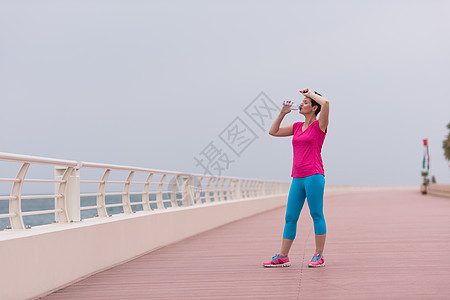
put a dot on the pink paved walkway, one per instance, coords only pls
(381, 245)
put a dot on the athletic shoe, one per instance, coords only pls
(317, 261)
(277, 261)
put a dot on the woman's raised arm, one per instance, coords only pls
(275, 129)
(324, 110)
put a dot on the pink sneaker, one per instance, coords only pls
(317, 261)
(277, 261)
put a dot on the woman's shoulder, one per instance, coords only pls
(297, 125)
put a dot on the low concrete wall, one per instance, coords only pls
(43, 258)
(442, 190)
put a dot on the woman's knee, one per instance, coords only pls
(318, 217)
(290, 231)
(291, 218)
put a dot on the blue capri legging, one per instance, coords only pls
(311, 188)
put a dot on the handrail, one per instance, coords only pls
(37, 159)
(168, 189)
(79, 164)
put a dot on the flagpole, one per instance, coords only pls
(425, 167)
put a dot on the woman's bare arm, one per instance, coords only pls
(324, 110)
(275, 129)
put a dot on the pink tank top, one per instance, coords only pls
(307, 146)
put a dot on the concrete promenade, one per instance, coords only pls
(381, 245)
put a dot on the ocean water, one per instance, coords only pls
(48, 204)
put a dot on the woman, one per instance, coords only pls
(308, 175)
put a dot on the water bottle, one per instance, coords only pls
(292, 107)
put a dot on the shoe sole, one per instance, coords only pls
(318, 266)
(278, 266)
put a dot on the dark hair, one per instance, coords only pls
(314, 103)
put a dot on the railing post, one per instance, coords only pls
(261, 189)
(216, 190)
(199, 191)
(173, 192)
(208, 190)
(279, 188)
(126, 201)
(253, 188)
(159, 195)
(248, 188)
(187, 191)
(236, 193)
(15, 206)
(230, 189)
(264, 189)
(244, 188)
(222, 194)
(146, 194)
(69, 189)
(101, 198)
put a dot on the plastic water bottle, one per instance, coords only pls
(292, 107)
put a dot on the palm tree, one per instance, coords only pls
(446, 145)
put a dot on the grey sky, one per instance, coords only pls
(151, 83)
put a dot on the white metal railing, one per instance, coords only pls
(160, 190)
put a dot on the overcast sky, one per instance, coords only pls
(154, 83)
